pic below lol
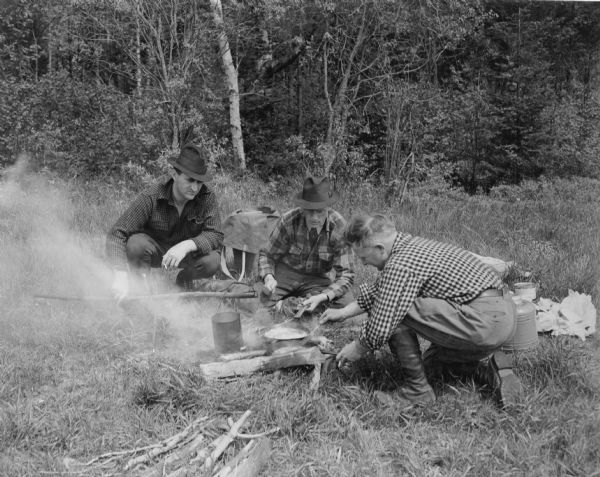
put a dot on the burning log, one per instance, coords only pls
(295, 357)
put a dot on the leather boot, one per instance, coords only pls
(439, 368)
(405, 346)
(496, 373)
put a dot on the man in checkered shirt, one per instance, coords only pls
(172, 224)
(435, 290)
(306, 245)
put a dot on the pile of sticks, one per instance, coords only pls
(187, 453)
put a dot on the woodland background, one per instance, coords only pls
(467, 93)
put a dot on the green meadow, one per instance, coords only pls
(79, 379)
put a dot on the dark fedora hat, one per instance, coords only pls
(316, 194)
(192, 161)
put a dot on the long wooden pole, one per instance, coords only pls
(158, 296)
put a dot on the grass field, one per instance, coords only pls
(79, 379)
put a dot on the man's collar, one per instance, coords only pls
(328, 225)
(165, 192)
(400, 241)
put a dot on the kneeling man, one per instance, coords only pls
(435, 290)
(306, 248)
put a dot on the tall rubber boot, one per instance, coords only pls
(405, 346)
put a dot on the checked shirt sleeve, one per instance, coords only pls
(131, 221)
(277, 247)
(397, 290)
(344, 275)
(211, 237)
(366, 295)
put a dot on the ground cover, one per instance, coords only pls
(79, 379)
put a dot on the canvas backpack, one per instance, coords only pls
(245, 232)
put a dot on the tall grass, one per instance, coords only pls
(80, 379)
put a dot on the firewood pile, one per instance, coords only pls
(193, 451)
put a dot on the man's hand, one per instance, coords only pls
(177, 253)
(312, 302)
(350, 353)
(332, 314)
(120, 286)
(270, 282)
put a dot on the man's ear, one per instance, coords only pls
(379, 246)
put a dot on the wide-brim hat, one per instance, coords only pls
(316, 194)
(192, 161)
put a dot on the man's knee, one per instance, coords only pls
(140, 248)
(205, 266)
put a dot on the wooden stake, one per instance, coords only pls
(249, 461)
(175, 458)
(166, 446)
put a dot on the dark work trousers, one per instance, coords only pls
(458, 333)
(144, 252)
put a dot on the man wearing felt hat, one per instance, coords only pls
(173, 224)
(306, 245)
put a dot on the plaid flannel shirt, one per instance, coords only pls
(418, 267)
(289, 243)
(154, 213)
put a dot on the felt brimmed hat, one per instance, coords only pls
(316, 194)
(192, 161)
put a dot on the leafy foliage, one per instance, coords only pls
(490, 92)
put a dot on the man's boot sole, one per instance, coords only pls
(507, 387)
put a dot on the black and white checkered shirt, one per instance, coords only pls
(153, 212)
(419, 267)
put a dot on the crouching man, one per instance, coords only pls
(175, 223)
(434, 290)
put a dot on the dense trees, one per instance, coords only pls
(477, 93)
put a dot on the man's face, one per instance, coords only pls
(315, 218)
(185, 187)
(374, 255)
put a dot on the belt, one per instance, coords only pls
(490, 292)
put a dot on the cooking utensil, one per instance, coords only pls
(282, 333)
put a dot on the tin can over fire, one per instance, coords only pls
(227, 332)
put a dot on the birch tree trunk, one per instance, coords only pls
(235, 123)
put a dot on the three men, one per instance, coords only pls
(434, 290)
(305, 246)
(174, 224)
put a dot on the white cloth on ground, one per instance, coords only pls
(574, 315)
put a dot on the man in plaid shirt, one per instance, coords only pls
(174, 224)
(435, 290)
(305, 246)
